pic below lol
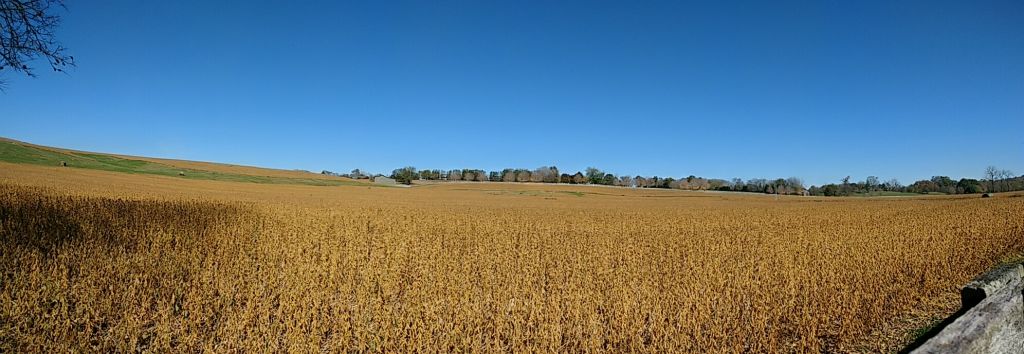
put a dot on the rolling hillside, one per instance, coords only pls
(14, 151)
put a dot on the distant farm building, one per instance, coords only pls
(384, 180)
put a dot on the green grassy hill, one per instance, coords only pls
(22, 153)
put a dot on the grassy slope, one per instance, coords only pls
(16, 152)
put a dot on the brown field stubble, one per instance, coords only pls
(100, 261)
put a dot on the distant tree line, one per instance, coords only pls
(995, 180)
(591, 176)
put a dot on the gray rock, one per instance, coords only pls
(992, 319)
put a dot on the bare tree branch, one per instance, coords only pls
(27, 33)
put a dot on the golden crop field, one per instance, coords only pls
(103, 261)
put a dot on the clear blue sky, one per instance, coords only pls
(815, 89)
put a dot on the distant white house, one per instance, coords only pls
(384, 180)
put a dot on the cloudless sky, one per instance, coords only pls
(814, 89)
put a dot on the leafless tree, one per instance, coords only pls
(545, 174)
(539, 175)
(523, 176)
(798, 184)
(579, 178)
(871, 183)
(892, 185)
(1004, 176)
(699, 184)
(991, 174)
(26, 34)
(626, 181)
(640, 181)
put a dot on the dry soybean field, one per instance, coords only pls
(106, 261)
